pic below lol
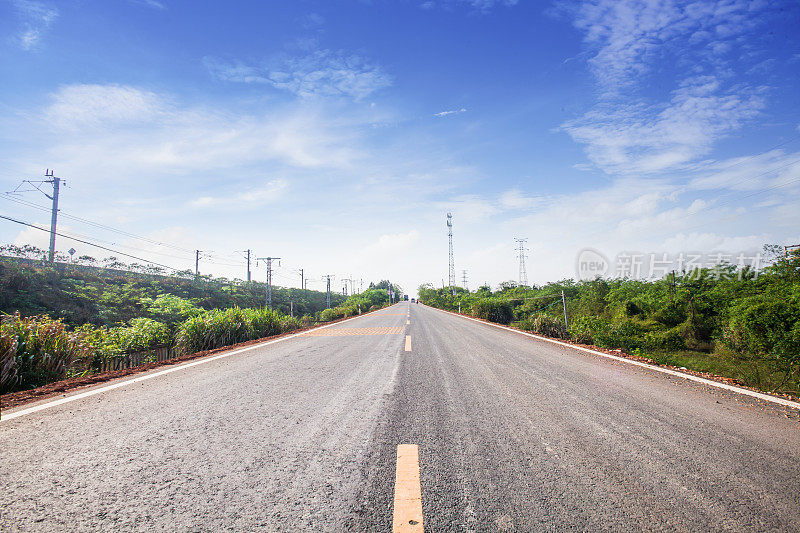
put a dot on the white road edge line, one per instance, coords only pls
(30, 410)
(712, 383)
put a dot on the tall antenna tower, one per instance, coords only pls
(452, 264)
(464, 280)
(523, 274)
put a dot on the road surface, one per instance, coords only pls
(512, 433)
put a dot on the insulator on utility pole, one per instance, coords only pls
(56, 182)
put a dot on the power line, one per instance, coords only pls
(89, 243)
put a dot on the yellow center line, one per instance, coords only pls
(408, 322)
(407, 491)
(408, 343)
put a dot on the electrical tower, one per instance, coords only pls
(452, 266)
(57, 182)
(523, 274)
(464, 280)
(269, 277)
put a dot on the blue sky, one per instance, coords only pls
(336, 134)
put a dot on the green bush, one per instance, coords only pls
(626, 334)
(36, 351)
(493, 310)
(547, 326)
(223, 327)
(140, 335)
(664, 340)
(768, 329)
(584, 329)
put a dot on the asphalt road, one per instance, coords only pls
(514, 434)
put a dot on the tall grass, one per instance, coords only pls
(35, 351)
(222, 327)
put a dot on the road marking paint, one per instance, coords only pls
(709, 382)
(342, 332)
(408, 343)
(407, 491)
(202, 361)
(408, 322)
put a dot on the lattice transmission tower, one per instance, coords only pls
(523, 274)
(452, 263)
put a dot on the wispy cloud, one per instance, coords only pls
(155, 4)
(641, 138)
(480, 5)
(453, 112)
(37, 17)
(627, 131)
(90, 105)
(132, 128)
(252, 197)
(317, 73)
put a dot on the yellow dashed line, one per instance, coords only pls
(407, 491)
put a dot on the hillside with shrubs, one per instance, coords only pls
(735, 323)
(62, 321)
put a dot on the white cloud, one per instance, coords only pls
(646, 139)
(629, 133)
(155, 4)
(37, 17)
(90, 105)
(318, 73)
(479, 5)
(252, 197)
(749, 173)
(122, 128)
(516, 199)
(453, 112)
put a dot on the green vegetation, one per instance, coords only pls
(722, 320)
(103, 313)
(105, 296)
(36, 351)
(375, 297)
(223, 327)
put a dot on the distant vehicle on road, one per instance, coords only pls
(412, 300)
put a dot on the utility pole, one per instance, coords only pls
(352, 291)
(197, 263)
(464, 279)
(269, 277)
(328, 291)
(344, 290)
(452, 268)
(564, 303)
(54, 215)
(302, 279)
(248, 265)
(523, 275)
(57, 182)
